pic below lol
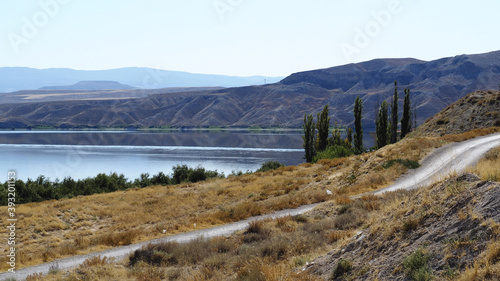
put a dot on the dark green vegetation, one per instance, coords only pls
(309, 137)
(406, 119)
(343, 267)
(416, 266)
(323, 127)
(382, 125)
(394, 115)
(43, 189)
(335, 151)
(410, 164)
(318, 146)
(358, 125)
(269, 165)
(387, 130)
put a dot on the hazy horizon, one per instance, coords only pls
(237, 37)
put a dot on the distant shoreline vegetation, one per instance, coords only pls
(152, 128)
(43, 189)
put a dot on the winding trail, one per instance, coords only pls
(452, 157)
(445, 160)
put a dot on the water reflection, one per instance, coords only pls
(84, 154)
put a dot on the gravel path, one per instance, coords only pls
(444, 160)
(452, 157)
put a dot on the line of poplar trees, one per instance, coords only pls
(387, 128)
(316, 138)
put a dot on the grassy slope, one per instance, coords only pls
(54, 229)
(453, 223)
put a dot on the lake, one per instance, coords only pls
(81, 154)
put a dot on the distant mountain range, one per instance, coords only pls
(24, 78)
(92, 85)
(434, 85)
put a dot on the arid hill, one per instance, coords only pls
(476, 110)
(434, 85)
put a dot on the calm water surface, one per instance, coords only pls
(61, 154)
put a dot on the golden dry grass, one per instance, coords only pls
(54, 229)
(488, 168)
(251, 255)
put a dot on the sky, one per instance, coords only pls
(240, 37)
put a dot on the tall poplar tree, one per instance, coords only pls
(308, 137)
(406, 119)
(381, 125)
(358, 126)
(323, 127)
(394, 113)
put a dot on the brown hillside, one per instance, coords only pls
(476, 110)
(447, 239)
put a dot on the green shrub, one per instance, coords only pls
(300, 218)
(416, 266)
(343, 267)
(181, 173)
(42, 189)
(160, 179)
(331, 152)
(269, 165)
(410, 164)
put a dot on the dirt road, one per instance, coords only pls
(444, 160)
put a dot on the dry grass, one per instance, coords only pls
(55, 229)
(471, 134)
(488, 168)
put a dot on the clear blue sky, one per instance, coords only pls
(240, 37)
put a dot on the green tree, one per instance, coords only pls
(336, 138)
(349, 138)
(308, 137)
(394, 114)
(406, 119)
(323, 127)
(358, 126)
(381, 125)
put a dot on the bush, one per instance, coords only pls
(160, 179)
(416, 266)
(196, 175)
(331, 152)
(172, 253)
(269, 165)
(185, 174)
(95, 261)
(43, 189)
(343, 266)
(181, 173)
(410, 164)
